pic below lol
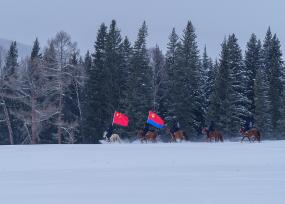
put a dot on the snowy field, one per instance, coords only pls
(190, 173)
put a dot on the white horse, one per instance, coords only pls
(115, 138)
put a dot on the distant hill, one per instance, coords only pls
(23, 50)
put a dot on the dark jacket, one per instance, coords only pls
(212, 126)
(110, 131)
(146, 128)
(247, 125)
(175, 127)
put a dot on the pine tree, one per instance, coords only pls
(8, 93)
(219, 97)
(266, 58)
(140, 82)
(94, 116)
(126, 55)
(208, 78)
(171, 65)
(10, 68)
(261, 116)
(272, 65)
(113, 71)
(275, 83)
(253, 62)
(239, 103)
(281, 122)
(189, 98)
(159, 78)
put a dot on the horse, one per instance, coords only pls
(115, 138)
(177, 136)
(216, 135)
(148, 137)
(252, 135)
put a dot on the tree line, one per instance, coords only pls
(58, 96)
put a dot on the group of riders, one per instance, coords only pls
(147, 128)
(247, 126)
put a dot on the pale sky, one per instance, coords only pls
(23, 20)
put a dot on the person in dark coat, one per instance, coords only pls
(145, 128)
(175, 127)
(211, 127)
(247, 124)
(110, 131)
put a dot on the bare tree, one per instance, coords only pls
(65, 71)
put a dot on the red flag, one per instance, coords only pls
(120, 119)
(155, 120)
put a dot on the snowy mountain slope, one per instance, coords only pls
(197, 173)
(23, 50)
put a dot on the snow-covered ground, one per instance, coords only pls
(190, 173)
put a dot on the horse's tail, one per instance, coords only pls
(258, 135)
(185, 135)
(221, 137)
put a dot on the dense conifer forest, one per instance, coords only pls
(59, 95)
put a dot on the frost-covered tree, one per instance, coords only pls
(34, 87)
(239, 103)
(64, 48)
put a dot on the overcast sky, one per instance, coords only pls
(23, 20)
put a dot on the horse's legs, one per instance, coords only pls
(242, 139)
(249, 139)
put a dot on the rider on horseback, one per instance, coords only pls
(175, 126)
(109, 131)
(211, 127)
(247, 124)
(145, 129)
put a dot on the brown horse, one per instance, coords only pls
(252, 135)
(216, 135)
(177, 136)
(148, 137)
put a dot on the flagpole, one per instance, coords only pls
(113, 118)
(147, 116)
